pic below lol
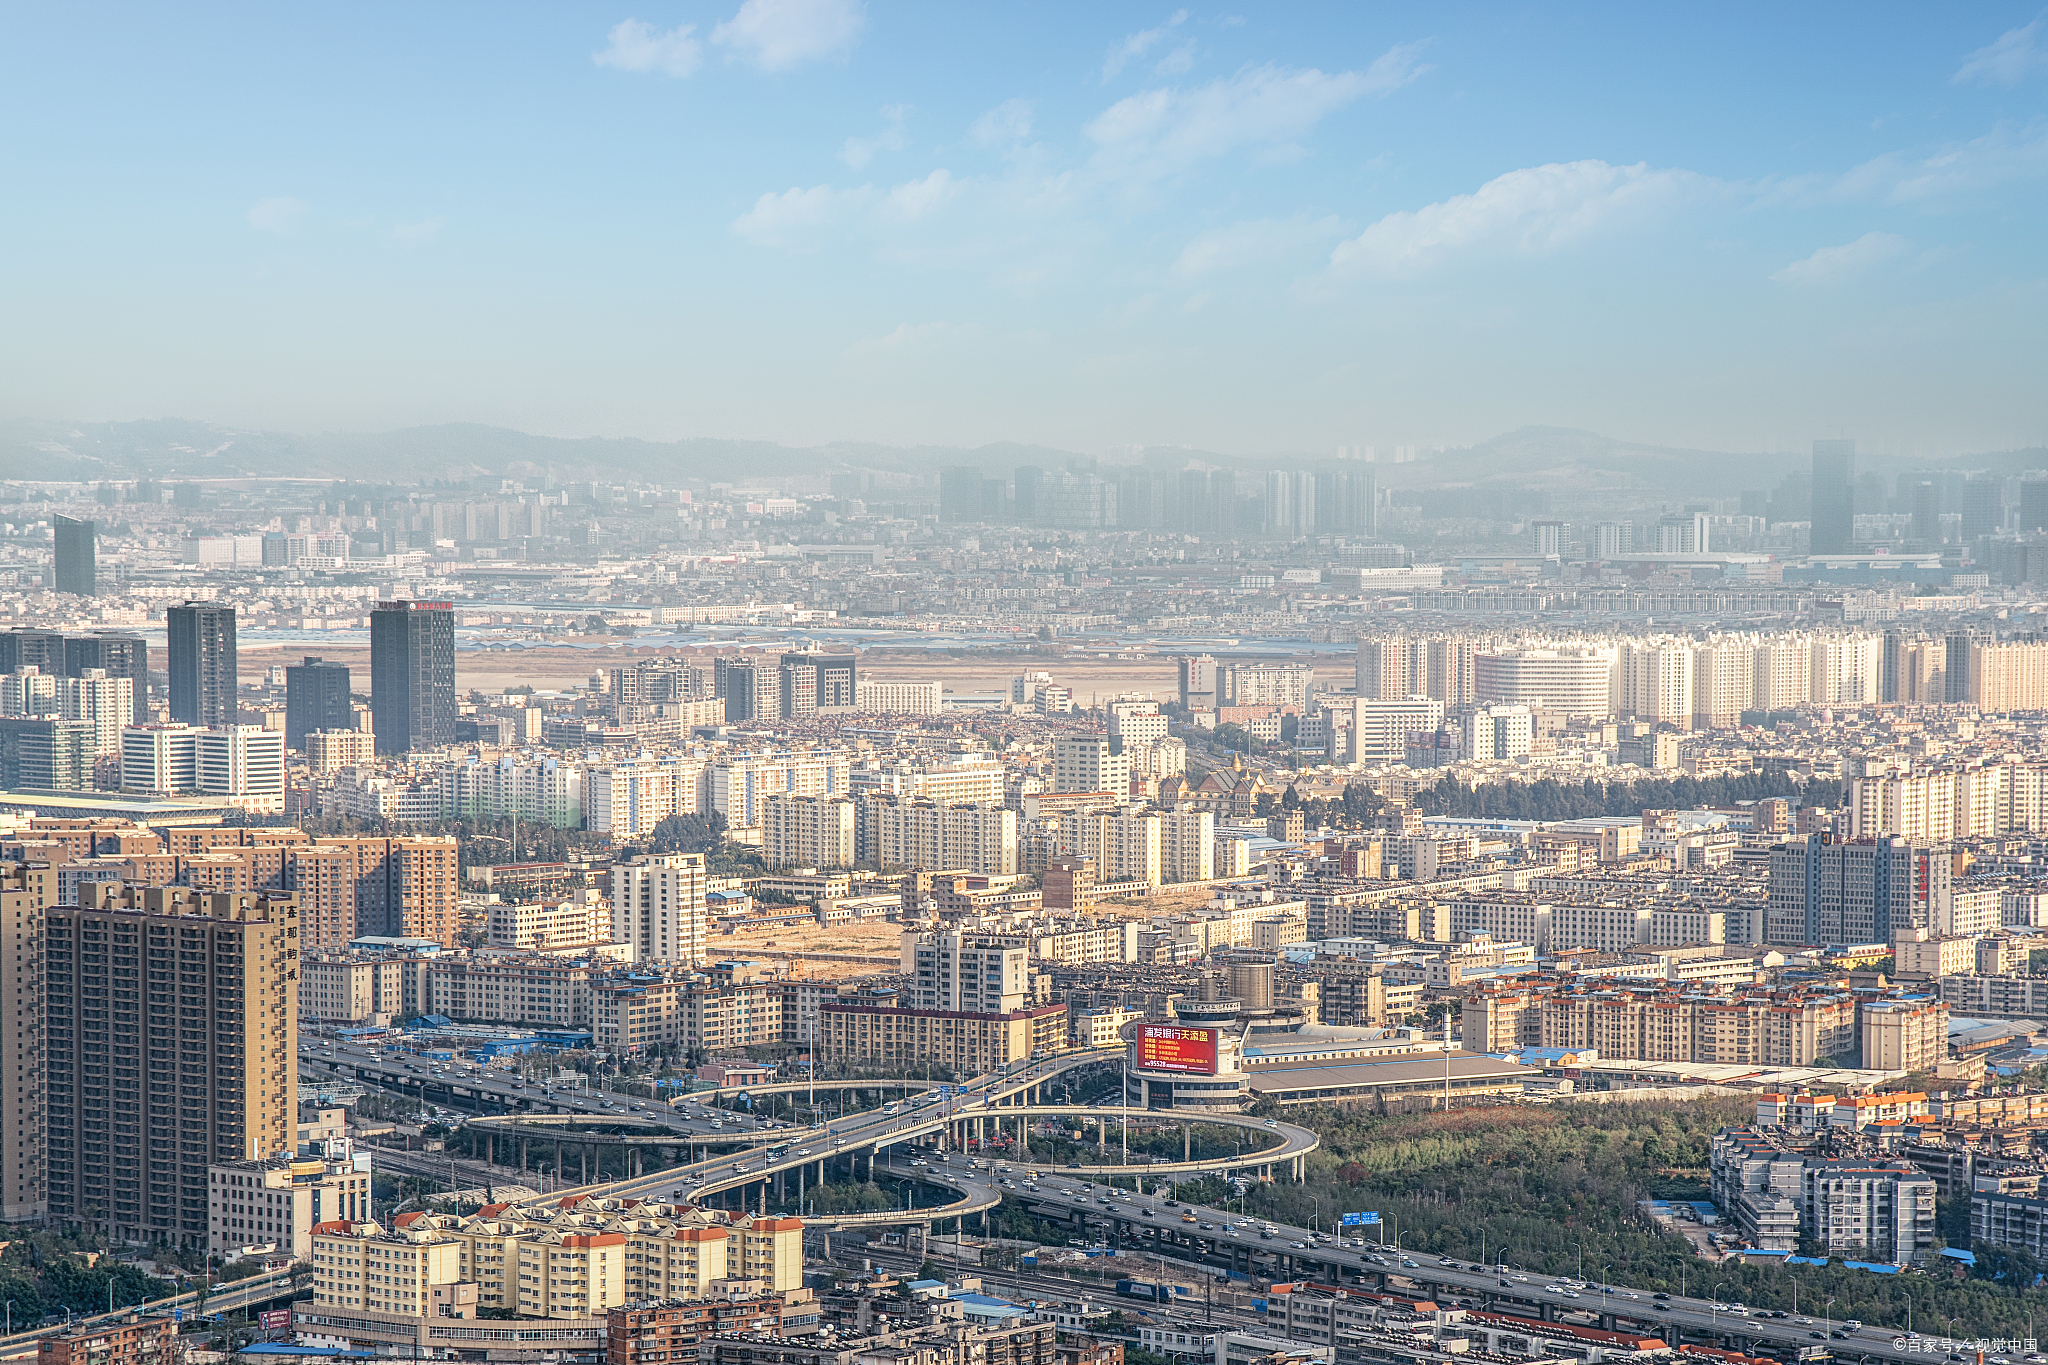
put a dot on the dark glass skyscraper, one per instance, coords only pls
(412, 675)
(1834, 498)
(202, 663)
(315, 698)
(77, 564)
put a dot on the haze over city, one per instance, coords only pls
(834, 682)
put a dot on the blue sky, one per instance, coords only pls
(1242, 228)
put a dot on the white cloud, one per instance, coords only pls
(1253, 242)
(1983, 163)
(1399, 65)
(2008, 61)
(790, 218)
(1523, 213)
(776, 35)
(277, 215)
(1831, 264)
(1138, 44)
(637, 46)
(1160, 132)
(917, 199)
(1009, 121)
(415, 234)
(861, 150)
(1176, 61)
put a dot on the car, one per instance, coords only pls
(1851, 1325)
(1148, 1213)
(1661, 1307)
(1187, 1218)
(1172, 1203)
(1410, 1265)
(1553, 1289)
(1299, 1246)
(1839, 1336)
(1207, 1227)
(1818, 1336)
(1272, 1123)
(1569, 1293)
(1804, 1322)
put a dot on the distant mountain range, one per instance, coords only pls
(173, 449)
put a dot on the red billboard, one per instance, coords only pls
(1162, 1047)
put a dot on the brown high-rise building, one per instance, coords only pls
(25, 889)
(397, 888)
(171, 1042)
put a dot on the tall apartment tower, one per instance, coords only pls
(76, 567)
(412, 675)
(171, 1034)
(202, 663)
(315, 698)
(26, 889)
(658, 906)
(400, 888)
(122, 655)
(1834, 498)
(738, 682)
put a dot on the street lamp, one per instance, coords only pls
(1606, 1276)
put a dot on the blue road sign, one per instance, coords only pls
(1353, 1220)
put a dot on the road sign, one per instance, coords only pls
(1353, 1220)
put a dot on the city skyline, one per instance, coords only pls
(828, 221)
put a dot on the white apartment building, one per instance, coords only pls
(584, 918)
(1084, 763)
(107, 704)
(243, 764)
(329, 751)
(1380, 732)
(547, 790)
(808, 831)
(1187, 846)
(899, 698)
(278, 1201)
(658, 907)
(978, 973)
(1656, 679)
(1577, 680)
(1130, 847)
(1500, 732)
(629, 800)
(741, 785)
(920, 834)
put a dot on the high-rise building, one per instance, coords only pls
(797, 686)
(1983, 506)
(26, 889)
(807, 831)
(43, 753)
(316, 697)
(106, 704)
(398, 888)
(1834, 498)
(120, 654)
(658, 906)
(76, 568)
(171, 1040)
(2033, 508)
(412, 675)
(39, 649)
(738, 682)
(1085, 763)
(1838, 892)
(960, 495)
(1927, 512)
(975, 973)
(202, 663)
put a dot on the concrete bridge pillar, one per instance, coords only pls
(1187, 1142)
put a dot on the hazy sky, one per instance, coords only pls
(1255, 228)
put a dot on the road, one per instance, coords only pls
(1129, 1219)
(231, 1297)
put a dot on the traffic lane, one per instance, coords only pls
(1639, 1308)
